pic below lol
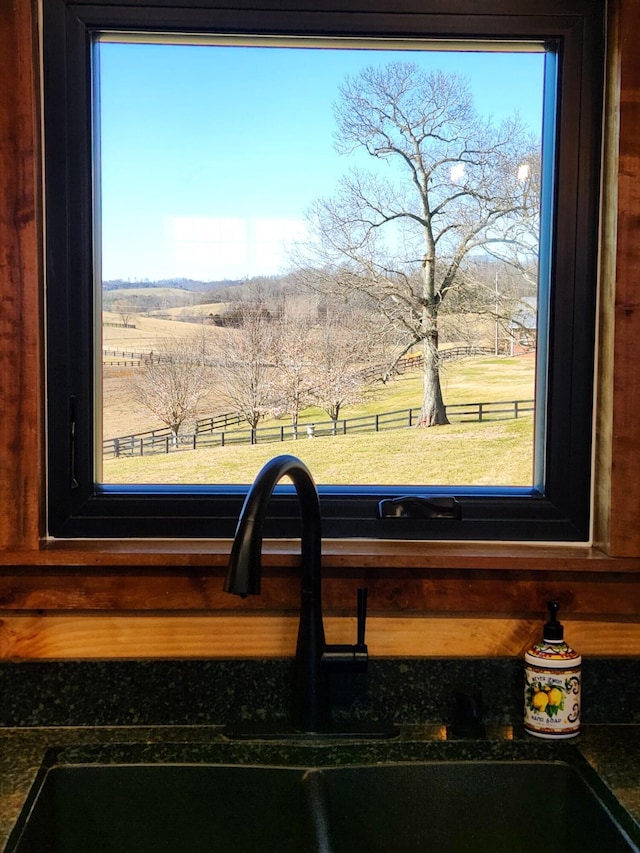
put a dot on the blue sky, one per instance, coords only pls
(211, 155)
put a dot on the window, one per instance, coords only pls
(88, 497)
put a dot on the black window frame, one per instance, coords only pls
(558, 511)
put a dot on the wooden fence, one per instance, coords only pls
(129, 358)
(163, 441)
(218, 422)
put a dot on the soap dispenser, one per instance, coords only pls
(552, 683)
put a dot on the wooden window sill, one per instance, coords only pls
(336, 554)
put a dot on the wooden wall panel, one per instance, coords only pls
(82, 636)
(624, 522)
(126, 599)
(21, 290)
(390, 591)
(607, 289)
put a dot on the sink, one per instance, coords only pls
(466, 806)
(172, 808)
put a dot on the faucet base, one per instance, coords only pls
(347, 730)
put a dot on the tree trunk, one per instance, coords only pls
(433, 412)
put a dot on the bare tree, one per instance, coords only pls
(341, 355)
(127, 315)
(173, 381)
(295, 362)
(244, 362)
(450, 186)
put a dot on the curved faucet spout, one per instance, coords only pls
(244, 572)
(310, 704)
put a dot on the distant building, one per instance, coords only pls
(523, 328)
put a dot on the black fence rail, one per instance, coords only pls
(131, 358)
(135, 444)
(451, 353)
(118, 353)
(218, 422)
(496, 411)
(415, 362)
(163, 441)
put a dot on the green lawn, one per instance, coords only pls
(474, 380)
(488, 453)
(497, 453)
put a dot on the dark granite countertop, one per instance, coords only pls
(612, 750)
(173, 712)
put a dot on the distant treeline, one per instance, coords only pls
(179, 283)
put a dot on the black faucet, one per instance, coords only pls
(310, 709)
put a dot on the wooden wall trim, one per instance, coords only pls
(606, 296)
(336, 554)
(21, 322)
(21, 290)
(624, 526)
(57, 637)
(391, 591)
(154, 599)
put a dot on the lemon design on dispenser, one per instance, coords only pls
(552, 683)
(545, 698)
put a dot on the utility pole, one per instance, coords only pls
(497, 323)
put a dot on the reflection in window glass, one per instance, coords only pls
(335, 246)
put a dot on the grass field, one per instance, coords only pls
(488, 453)
(498, 453)
(465, 381)
(122, 415)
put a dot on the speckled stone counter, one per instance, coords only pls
(208, 692)
(613, 751)
(174, 712)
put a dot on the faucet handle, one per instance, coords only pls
(350, 658)
(361, 616)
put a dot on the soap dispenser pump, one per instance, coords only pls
(552, 683)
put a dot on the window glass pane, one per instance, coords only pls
(325, 250)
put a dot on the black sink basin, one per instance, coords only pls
(466, 807)
(172, 808)
(448, 806)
